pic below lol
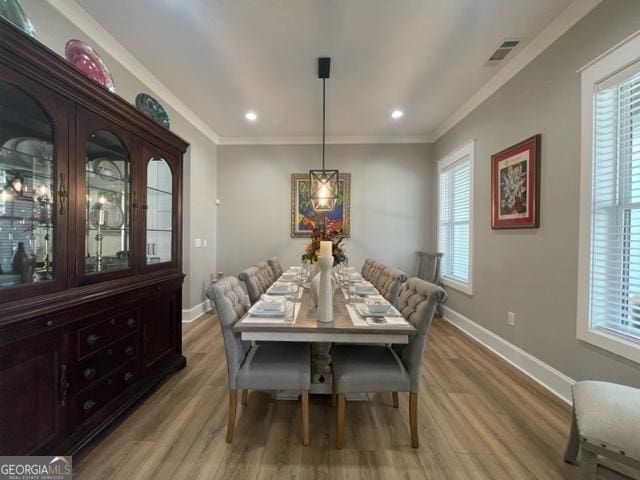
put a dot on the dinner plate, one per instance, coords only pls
(152, 109)
(106, 167)
(255, 311)
(366, 290)
(113, 215)
(287, 277)
(87, 60)
(283, 289)
(363, 310)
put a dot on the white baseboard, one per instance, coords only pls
(547, 376)
(190, 314)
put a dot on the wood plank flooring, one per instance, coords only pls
(478, 418)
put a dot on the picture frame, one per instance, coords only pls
(303, 218)
(515, 185)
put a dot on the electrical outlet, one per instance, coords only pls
(511, 318)
(204, 242)
(197, 242)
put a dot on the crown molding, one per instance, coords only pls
(316, 140)
(85, 22)
(567, 19)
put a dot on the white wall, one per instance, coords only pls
(53, 29)
(391, 202)
(533, 273)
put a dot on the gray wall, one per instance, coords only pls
(53, 29)
(534, 272)
(391, 202)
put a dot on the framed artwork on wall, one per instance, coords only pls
(515, 186)
(303, 217)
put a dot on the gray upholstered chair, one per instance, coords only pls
(388, 282)
(257, 279)
(376, 368)
(268, 366)
(606, 422)
(366, 268)
(276, 268)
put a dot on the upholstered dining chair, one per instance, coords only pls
(366, 268)
(378, 368)
(276, 268)
(268, 366)
(257, 278)
(606, 421)
(388, 282)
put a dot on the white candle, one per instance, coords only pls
(326, 249)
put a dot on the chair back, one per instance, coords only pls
(276, 268)
(231, 304)
(366, 268)
(388, 283)
(257, 279)
(417, 302)
(375, 271)
(429, 266)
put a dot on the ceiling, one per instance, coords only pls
(225, 57)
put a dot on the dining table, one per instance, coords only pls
(300, 323)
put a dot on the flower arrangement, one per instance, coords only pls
(335, 237)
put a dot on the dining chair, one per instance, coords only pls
(267, 366)
(375, 271)
(366, 268)
(379, 368)
(257, 278)
(276, 268)
(388, 283)
(606, 419)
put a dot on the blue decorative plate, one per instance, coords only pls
(12, 11)
(152, 109)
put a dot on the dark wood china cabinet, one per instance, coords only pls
(90, 252)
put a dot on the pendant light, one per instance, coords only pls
(323, 183)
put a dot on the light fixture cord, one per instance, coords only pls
(323, 120)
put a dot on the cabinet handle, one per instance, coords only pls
(92, 339)
(88, 405)
(129, 350)
(64, 385)
(62, 194)
(145, 206)
(131, 322)
(134, 204)
(49, 323)
(128, 377)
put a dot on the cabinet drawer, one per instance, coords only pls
(108, 359)
(94, 398)
(100, 334)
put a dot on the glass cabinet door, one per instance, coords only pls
(30, 232)
(108, 204)
(159, 212)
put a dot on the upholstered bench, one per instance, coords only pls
(606, 422)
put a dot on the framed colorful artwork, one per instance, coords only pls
(515, 186)
(303, 217)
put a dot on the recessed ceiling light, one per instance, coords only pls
(251, 116)
(397, 114)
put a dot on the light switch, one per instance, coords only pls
(218, 202)
(197, 242)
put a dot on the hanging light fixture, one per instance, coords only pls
(323, 183)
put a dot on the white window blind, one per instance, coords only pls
(614, 302)
(454, 215)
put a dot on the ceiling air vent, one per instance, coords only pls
(503, 50)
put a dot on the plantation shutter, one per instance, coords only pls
(615, 223)
(454, 215)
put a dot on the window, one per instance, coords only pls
(609, 277)
(455, 217)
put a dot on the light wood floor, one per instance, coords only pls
(479, 418)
